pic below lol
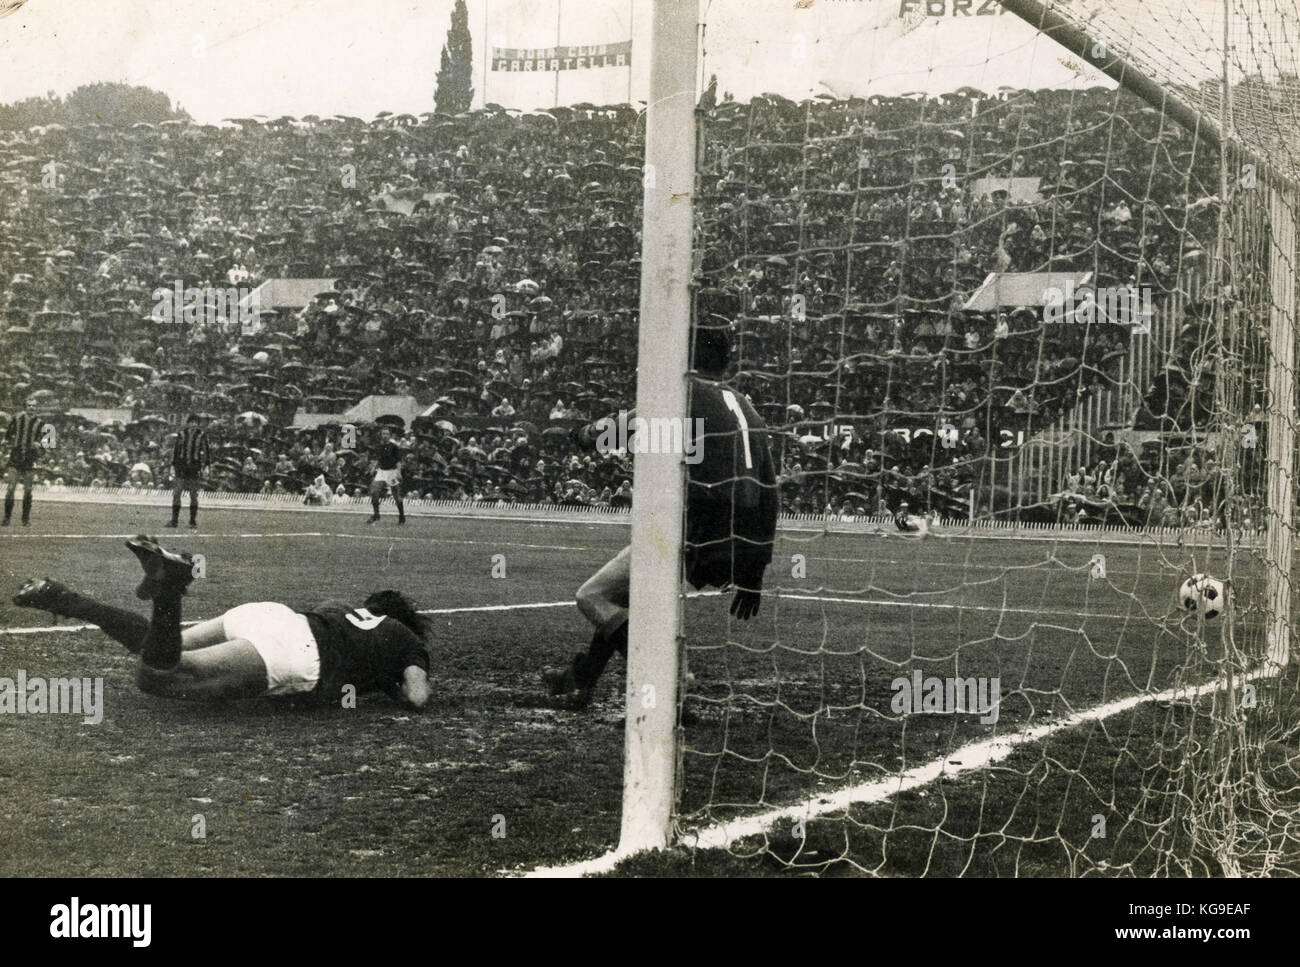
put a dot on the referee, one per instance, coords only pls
(25, 439)
(189, 457)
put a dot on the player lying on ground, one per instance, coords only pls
(256, 649)
(731, 511)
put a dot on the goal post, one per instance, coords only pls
(1283, 201)
(654, 628)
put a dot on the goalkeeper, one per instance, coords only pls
(731, 510)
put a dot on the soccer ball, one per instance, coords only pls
(1203, 593)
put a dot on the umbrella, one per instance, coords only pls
(251, 418)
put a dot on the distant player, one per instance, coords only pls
(25, 439)
(914, 524)
(388, 476)
(189, 457)
(257, 649)
(731, 511)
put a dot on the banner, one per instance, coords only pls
(562, 58)
(542, 53)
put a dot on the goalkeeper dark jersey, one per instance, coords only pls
(367, 651)
(731, 495)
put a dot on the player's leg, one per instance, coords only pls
(603, 601)
(231, 669)
(205, 634)
(228, 670)
(11, 484)
(177, 490)
(397, 499)
(377, 488)
(28, 478)
(193, 485)
(125, 627)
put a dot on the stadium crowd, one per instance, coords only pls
(487, 266)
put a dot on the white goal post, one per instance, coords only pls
(655, 622)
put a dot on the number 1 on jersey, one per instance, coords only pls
(363, 619)
(734, 405)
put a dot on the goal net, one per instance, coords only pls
(1015, 295)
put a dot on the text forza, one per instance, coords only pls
(70, 921)
(658, 434)
(946, 696)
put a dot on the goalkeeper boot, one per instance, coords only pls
(41, 594)
(562, 683)
(163, 569)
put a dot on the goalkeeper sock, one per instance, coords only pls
(124, 627)
(162, 642)
(588, 667)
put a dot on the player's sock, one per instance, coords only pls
(27, 504)
(176, 508)
(374, 502)
(194, 509)
(588, 667)
(162, 642)
(125, 627)
(9, 506)
(401, 511)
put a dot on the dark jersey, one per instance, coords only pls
(731, 495)
(23, 439)
(389, 456)
(361, 649)
(904, 522)
(191, 454)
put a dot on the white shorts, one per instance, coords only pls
(284, 640)
(393, 478)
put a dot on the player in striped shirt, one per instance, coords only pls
(25, 439)
(189, 457)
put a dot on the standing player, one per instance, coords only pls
(25, 438)
(189, 457)
(731, 511)
(256, 649)
(388, 476)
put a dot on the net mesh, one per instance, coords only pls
(1027, 361)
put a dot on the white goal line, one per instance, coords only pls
(974, 755)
